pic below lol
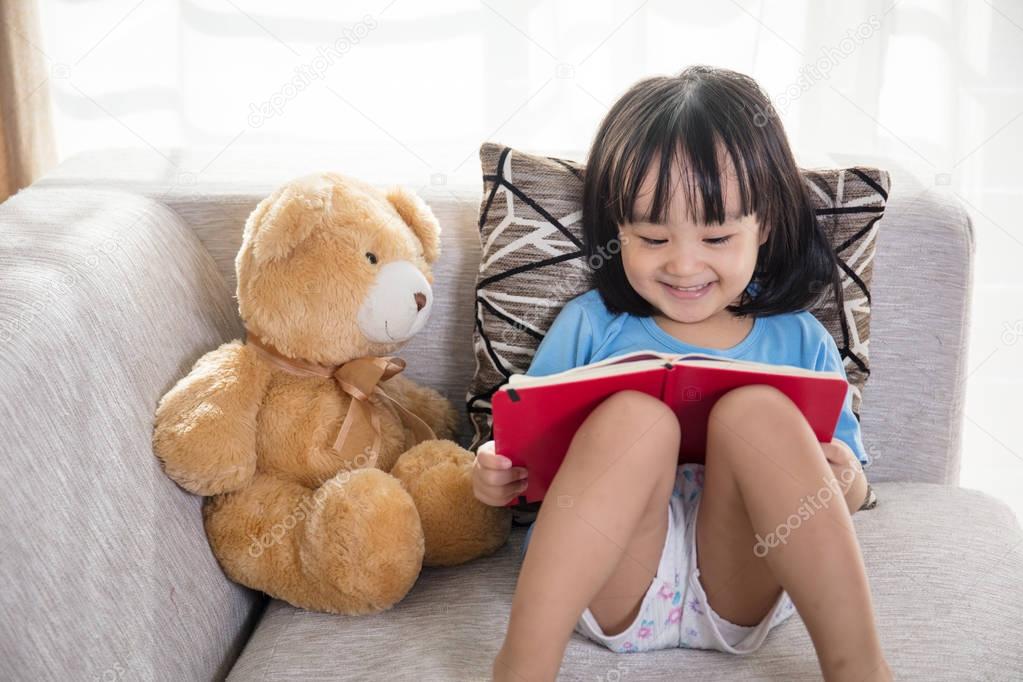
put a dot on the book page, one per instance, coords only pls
(701, 360)
(640, 361)
(604, 368)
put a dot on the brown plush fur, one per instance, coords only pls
(286, 514)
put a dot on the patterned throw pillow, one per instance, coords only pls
(532, 263)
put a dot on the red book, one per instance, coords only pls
(535, 418)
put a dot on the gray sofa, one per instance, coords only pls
(116, 274)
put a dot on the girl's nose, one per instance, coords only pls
(683, 262)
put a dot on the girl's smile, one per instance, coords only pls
(688, 293)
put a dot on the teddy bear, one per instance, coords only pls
(330, 477)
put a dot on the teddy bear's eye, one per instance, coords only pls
(372, 257)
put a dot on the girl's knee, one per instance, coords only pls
(754, 406)
(639, 412)
(634, 425)
(757, 397)
(740, 417)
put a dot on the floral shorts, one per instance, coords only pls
(674, 611)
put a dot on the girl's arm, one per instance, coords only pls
(848, 471)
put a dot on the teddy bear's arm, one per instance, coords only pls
(426, 403)
(205, 430)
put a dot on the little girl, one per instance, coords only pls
(691, 187)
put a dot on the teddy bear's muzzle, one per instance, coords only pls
(398, 304)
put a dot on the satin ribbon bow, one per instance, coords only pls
(359, 378)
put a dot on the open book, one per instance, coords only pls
(535, 418)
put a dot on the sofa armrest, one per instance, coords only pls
(923, 278)
(106, 300)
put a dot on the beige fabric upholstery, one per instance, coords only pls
(106, 299)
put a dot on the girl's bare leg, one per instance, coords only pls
(598, 537)
(763, 463)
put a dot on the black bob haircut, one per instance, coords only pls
(690, 117)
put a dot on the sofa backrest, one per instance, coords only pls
(106, 299)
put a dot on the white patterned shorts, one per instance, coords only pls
(674, 611)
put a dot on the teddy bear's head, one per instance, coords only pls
(331, 268)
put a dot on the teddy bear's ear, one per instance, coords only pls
(282, 221)
(420, 219)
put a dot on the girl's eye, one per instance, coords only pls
(372, 257)
(656, 242)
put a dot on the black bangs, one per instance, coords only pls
(698, 142)
(697, 127)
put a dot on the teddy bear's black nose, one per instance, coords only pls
(420, 301)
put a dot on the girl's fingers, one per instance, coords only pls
(513, 490)
(498, 496)
(495, 478)
(494, 461)
(838, 452)
(495, 481)
(490, 460)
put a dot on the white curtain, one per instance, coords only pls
(415, 87)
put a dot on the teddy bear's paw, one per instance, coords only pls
(457, 526)
(363, 541)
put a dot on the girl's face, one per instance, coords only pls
(683, 253)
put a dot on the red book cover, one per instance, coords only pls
(535, 418)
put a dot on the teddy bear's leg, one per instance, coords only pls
(457, 526)
(352, 546)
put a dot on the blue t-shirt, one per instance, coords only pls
(585, 331)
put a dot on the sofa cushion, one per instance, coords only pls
(532, 263)
(944, 566)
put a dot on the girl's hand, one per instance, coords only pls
(494, 480)
(838, 452)
(848, 471)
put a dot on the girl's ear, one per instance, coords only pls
(282, 221)
(765, 232)
(420, 219)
